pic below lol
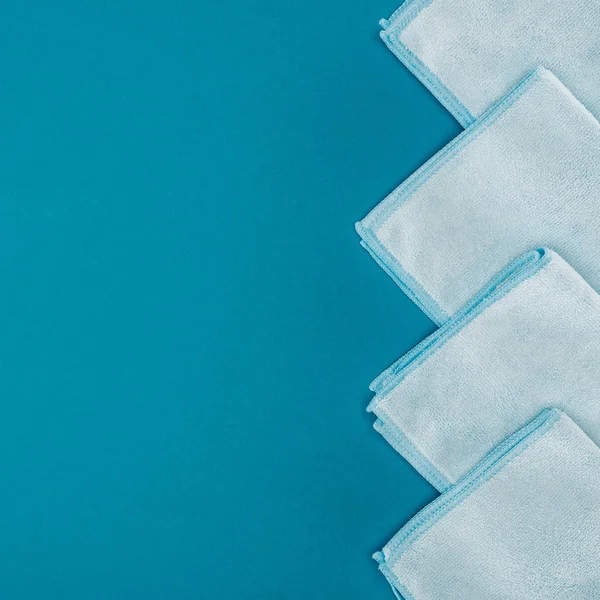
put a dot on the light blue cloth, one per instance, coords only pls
(530, 341)
(525, 175)
(523, 525)
(471, 53)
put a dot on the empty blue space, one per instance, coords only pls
(188, 323)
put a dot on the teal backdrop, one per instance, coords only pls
(188, 323)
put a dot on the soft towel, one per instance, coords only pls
(525, 175)
(470, 53)
(530, 341)
(523, 525)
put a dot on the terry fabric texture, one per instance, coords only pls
(524, 524)
(528, 342)
(470, 53)
(525, 175)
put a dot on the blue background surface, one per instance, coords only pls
(189, 325)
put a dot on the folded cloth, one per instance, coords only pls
(530, 341)
(470, 53)
(523, 525)
(525, 175)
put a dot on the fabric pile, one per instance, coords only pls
(496, 239)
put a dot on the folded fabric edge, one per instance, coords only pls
(407, 188)
(390, 34)
(519, 271)
(491, 465)
(367, 227)
(409, 451)
(510, 278)
(408, 284)
(396, 586)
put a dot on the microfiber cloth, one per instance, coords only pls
(525, 175)
(471, 53)
(523, 525)
(530, 341)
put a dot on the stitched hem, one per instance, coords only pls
(490, 466)
(404, 446)
(401, 277)
(516, 273)
(368, 227)
(392, 30)
(519, 271)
